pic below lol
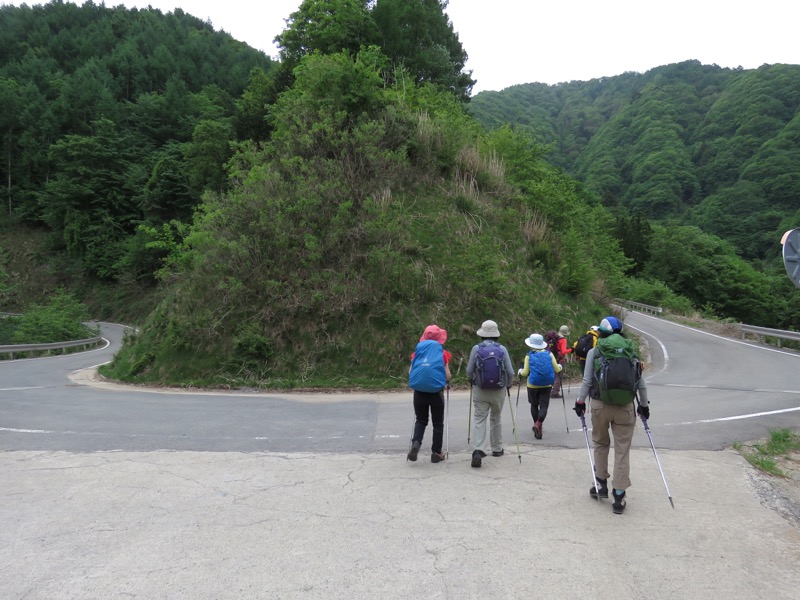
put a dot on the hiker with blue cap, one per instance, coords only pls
(613, 379)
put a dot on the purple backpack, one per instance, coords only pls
(489, 366)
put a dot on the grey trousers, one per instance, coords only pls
(488, 406)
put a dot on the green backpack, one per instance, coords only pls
(617, 371)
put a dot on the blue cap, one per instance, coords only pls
(610, 325)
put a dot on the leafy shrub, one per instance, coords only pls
(8, 325)
(656, 293)
(61, 320)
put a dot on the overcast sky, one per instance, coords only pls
(523, 41)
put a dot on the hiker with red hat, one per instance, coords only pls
(429, 375)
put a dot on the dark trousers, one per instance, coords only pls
(556, 389)
(540, 402)
(423, 402)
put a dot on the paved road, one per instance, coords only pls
(706, 391)
(109, 493)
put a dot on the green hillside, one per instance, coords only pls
(706, 146)
(342, 241)
(297, 224)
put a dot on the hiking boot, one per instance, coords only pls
(476, 458)
(412, 454)
(437, 457)
(500, 453)
(619, 502)
(601, 490)
(537, 430)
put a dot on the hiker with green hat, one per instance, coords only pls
(540, 369)
(491, 374)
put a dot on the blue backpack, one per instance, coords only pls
(427, 368)
(541, 369)
(489, 366)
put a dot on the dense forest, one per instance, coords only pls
(298, 222)
(682, 146)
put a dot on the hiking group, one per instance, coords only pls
(611, 378)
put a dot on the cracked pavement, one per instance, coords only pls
(195, 525)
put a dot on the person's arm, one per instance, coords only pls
(588, 374)
(447, 375)
(586, 384)
(556, 366)
(471, 363)
(526, 369)
(643, 400)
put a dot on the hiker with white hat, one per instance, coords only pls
(540, 370)
(491, 374)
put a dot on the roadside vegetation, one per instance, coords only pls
(777, 455)
(62, 319)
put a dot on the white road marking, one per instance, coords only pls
(12, 430)
(740, 417)
(17, 389)
(684, 385)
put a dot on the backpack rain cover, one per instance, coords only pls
(617, 370)
(427, 367)
(541, 369)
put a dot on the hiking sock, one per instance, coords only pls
(619, 502)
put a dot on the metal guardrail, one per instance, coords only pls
(17, 348)
(764, 332)
(760, 333)
(645, 308)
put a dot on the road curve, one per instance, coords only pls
(706, 391)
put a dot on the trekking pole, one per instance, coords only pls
(517, 409)
(411, 439)
(469, 423)
(514, 425)
(569, 382)
(447, 424)
(564, 404)
(589, 450)
(658, 462)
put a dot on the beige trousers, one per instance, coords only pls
(622, 420)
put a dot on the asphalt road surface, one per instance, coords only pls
(111, 492)
(706, 392)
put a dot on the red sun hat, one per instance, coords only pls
(434, 332)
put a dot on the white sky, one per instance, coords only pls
(524, 41)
